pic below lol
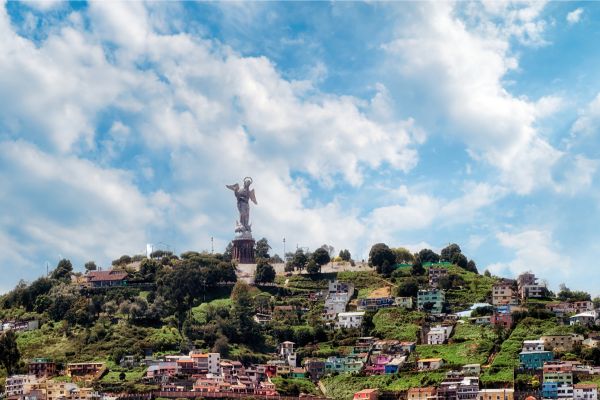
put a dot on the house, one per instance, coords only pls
(503, 293)
(338, 296)
(561, 342)
(561, 374)
(406, 302)
(161, 371)
(350, 319)
(422, 393)
(496, 394)
(85, 369)
(394, 365)
(431, 300)
(429, 363)
(482, 320)
(343, 364)
(550, 390)
(529, 287)
(64, 391)
(534, 359)
(366, 394)
(297, 372)
(315, 368)
(286, 348)
(471, 369)
(585, 318)
(458, 388)
(20, 326)
(585, 391)
(108, 278)
(533, 345)
(374, 304)
(206, 362)
(435, 274)
(17, 385)
(41, 367)
(364, 344)
(439, 334)
(502, 319)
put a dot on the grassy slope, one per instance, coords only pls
(469, 344)
(397, 323)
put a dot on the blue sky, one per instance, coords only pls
(414, 124)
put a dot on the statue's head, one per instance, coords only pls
(247, 182)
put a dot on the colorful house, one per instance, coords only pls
(366, 394)
(534, 359)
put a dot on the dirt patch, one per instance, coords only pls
(381, 292)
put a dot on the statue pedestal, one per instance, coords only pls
(243, 250)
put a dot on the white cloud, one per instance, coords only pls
(588, 121)
(574, 16)
(534, 251)
(460, 67)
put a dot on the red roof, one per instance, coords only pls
(110, 275)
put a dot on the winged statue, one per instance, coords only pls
(243, 196)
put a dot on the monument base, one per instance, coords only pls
(243, 250)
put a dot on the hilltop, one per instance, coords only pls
(424, 306)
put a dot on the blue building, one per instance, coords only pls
(535, 359)
(550, 390)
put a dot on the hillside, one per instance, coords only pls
(171, 305)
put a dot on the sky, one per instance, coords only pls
(416, 124)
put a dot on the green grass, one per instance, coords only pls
(501, 369)
(294, 386)
(469, 344)
(134, 375)
(344, 386)
(397, 323)
(199, 312)
(475, 290)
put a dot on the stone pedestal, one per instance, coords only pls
(243, 250)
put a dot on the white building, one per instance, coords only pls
(533, 345)
(350, 319)
(439, 334)
(585, 391)
(585, 318)
(16, 385)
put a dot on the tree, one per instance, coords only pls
(90, 266)
(122, 376)
(299, 259)
(63, 271)
(228, 253)
(408, 288)
(417, 268)
(428, 255)
(449, 252)
(276, 259)
(243, 308)
(345, 255)
(312, 267)
(460, 260)
(379, 254)
(265, 273)
(386, 269)
(321, 257)
(262, 248)
(329, 249)
(403, 256)
(471, 266)
(9, 351)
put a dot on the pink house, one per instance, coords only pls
(502, 319)
(378, 364)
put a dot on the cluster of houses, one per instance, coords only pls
(19, 325)
(38, 382)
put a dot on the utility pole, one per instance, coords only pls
(284, 258)
(212, 245)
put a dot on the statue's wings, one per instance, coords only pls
(235, 187)
(252, 196)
